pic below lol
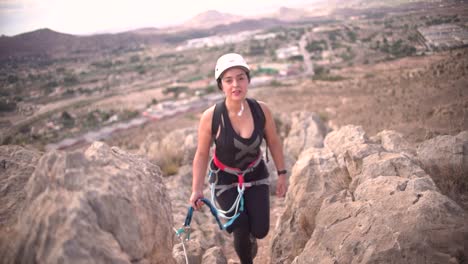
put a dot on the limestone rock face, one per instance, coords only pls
(180, 144)
(16, 166)
(315, 176)
(214, 256)
(102, 205)
(393, 141)
(367, 201)
(307, 130)
(389, 220)
(205, 234)
(445, 158)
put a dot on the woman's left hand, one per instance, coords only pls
(281, 186)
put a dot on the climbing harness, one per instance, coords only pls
(216, 189)
(238, 205)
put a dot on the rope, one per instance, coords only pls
(183, 245)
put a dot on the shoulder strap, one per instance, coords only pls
(218, 110)
(258, 109)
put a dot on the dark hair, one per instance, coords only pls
(220, 85)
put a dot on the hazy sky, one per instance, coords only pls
(91, 16)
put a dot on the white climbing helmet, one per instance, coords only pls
(228, 61)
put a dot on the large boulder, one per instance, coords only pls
(16, 166)
(393, 141)
(351, 145)
(306, 130)
(179, 145)
(364, 202)
(445, 158)
(388, 220)
(315, 176)
(101, 205)
(205, 234)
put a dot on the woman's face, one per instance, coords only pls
(234, 82)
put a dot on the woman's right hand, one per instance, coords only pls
(195, 201)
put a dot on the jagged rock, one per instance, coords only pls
(389, 207)
(351, 145)
(445, 158)
(180, 144)
(389, 220)
(214, 256)
(386, 164)
(102, 205)
(393, 141)
(315, 176)
(16, 166)
(307, 130)
(289, 163)
(205, 233)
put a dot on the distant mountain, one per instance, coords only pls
(46, 42)
(373, 3)
(51, 43)
(291, 14)
(210, 19)
(37, 42)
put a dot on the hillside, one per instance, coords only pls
(210, 19)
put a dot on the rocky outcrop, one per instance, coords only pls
(179, 145)
(101, 205)
(445, 158)
(301, 130)
(306, 130)
(367, 201)
(304, 198)
(205, 234)
(352, 199)
(16, 166)
(388, 219)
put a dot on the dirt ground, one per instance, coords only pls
(420, 97)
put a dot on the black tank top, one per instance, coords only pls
(232, 149)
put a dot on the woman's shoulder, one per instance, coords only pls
(207, 115)
(263, 105)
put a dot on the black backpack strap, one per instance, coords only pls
(218, 111)
(259, 112)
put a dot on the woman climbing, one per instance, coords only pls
(237, 126)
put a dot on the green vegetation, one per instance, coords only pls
(328, 78)
(315, 46)
(176, 90)
(67, 120)
(323, 74)
(276, 83)
(106, 64)
(442, 20)
(6, 106)
(296, 58)
(348, 55)
(210, 89)
(398, 48)
(70, 80)
(266, 71)
(351, 35)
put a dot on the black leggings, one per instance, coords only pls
(255, 219)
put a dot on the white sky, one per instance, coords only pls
(91, 16)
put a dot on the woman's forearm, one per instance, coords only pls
(276, 149)
(200, 164)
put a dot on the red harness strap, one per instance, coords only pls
(236, 171)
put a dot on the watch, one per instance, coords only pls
(282, 172)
